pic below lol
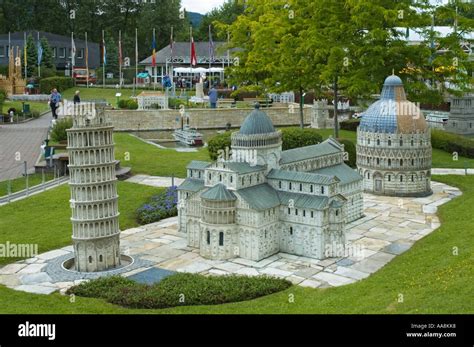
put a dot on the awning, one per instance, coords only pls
(197, 69)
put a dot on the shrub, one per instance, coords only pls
(197, 290)
(218, 143)
(58, 133)
(350, 149)
(160, 206)
(3, 97)
(60, 83)
(451, 143)
(350, 124)
(128, 104)
(291, 137)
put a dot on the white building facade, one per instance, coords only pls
(394, 145)
(264, 200)
(94, 199)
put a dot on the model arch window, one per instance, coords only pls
(337, 212)
(221, 239)
(301, 187)
(208, 237)
(279, 184)
(322, 190)
(401, 142)
(291, 230)
(390, 162)
(389, 142)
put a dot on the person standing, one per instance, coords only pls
(54, 100)
(213, 97)
(77, 98)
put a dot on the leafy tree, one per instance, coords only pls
(346, 45)
(227, 13)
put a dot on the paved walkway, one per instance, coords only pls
(154, 181)
(19, 143)
(462, 172)
(390, 227)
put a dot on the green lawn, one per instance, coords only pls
(151, 160)
(430, 278)
(44, 218)
(20, 183)
(18, 105)
(94, 93)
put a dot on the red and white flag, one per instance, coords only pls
(193, 53)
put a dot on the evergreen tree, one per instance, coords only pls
(31, 55)
(48, 60)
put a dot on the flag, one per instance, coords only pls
(153, 56)
(104, 53)
(25, 52)
(40, 53)
(73, 51)
(193, 53)
(211, 46)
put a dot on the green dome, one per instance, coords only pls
(218, 193)
(257, 122)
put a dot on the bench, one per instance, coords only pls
(262, 102)
(226, 102)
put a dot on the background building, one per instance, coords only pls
(168, 63)
(60, 46)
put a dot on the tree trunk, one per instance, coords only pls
(336, 121)
(301, 108)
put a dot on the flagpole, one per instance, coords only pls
(120, 58)
(136, 60)
(26, 60)
(210, 55)
(39, 63)
(154, 55)
(87, 63)
(172, 68)
(103, 59)
(191, 54)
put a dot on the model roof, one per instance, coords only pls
(330, 146)
(305, 177)
(191, 184)
(260, 197)
(218, 193)
(343, 172)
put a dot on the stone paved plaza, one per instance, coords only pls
(390, 227)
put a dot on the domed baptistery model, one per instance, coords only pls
(394, 145)
(94, 197)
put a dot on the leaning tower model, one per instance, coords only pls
(394, 145)
(95, 223)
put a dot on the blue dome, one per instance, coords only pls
(393, 113)
(257, 122)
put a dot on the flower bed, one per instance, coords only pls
(160, 206)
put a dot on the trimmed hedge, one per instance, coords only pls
(350, 149)
(128, 104)
(60, 83)
(298, 137)
(58, 133)
(181, 289)
(291, 137)
(451, 143)
(350, 124)
(219, 143)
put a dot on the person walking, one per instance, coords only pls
(213, 97)
(77, 98)
(54, 100)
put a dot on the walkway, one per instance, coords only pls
(19, 143)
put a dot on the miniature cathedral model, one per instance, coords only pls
(94, 199)
(394, 145)
(264, 200)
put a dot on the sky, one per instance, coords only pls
(200, 6)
